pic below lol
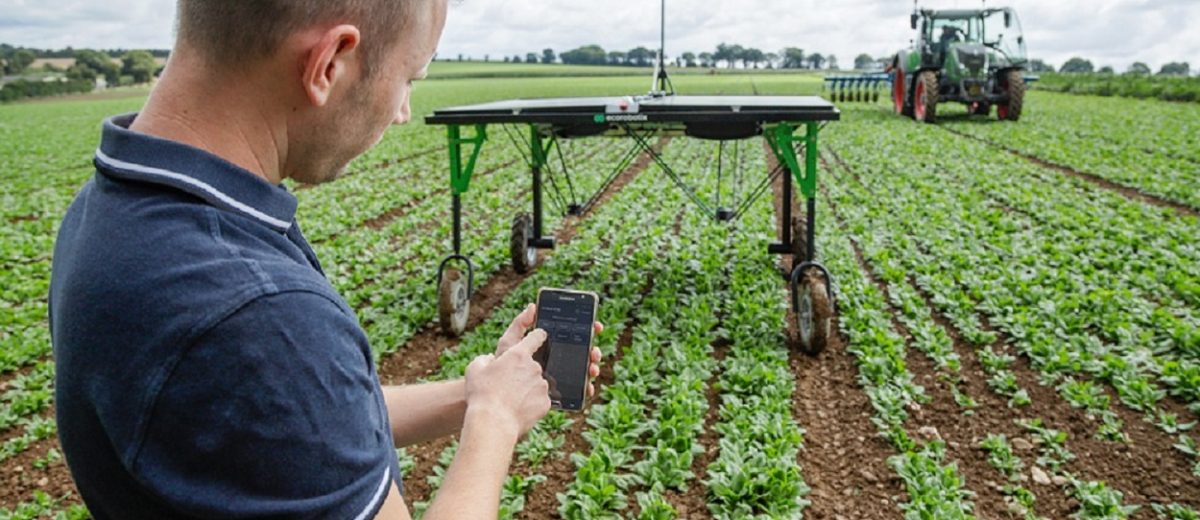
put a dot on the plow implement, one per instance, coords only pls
(862, 88)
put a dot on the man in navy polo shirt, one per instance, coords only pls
(205, 366)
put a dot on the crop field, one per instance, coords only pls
(1018, 309)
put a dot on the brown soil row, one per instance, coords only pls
(1146, 469)
(844, 459)
(1131, 193)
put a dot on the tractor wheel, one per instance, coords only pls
(899, 97)
(524, 255)
(925, 97)
(814, 312)
(1014, 83)
(454, 302)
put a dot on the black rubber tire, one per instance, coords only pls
(524, 256)
(814, 317)
(929, 88)
(1014, 83)
(454, 304)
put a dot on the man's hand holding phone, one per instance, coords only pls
(525, 320)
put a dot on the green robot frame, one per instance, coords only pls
(784, 122)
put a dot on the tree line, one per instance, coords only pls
(130, 67)
(726, 55)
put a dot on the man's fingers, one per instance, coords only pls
(595, 355)
(516, 329)
(599, 327)
(530, 344)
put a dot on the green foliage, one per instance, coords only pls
(1137, 83)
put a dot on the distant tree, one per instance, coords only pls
(1106, 70)
(586, 55)
(706, 59)
(1175, 68)
(20, 60)
(864, 62)
(1076, 65)
(752, 56)
(833, 64)
(531, 57)
(460, 57)
(1040, 66)
(616, 57)
(730, 54)
(487, 58)
(639, 57)
(548, 56)
(689, 59)
(793, 58)
(140, 65)
(1139, 69)
(507, 59)
(772, 59)
(81, 72)
(816, 60)
(100, 64)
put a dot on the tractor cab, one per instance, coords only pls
(969, 43)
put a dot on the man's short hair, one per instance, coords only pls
(231, 31)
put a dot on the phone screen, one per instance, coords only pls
(567, 318)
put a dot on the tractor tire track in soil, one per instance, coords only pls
(1145, 469)
(1180, 208)
(420, 357)
(843, 460)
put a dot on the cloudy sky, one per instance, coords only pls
(1109, 32)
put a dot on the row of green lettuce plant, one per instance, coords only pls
(756, 473)
(935, 487)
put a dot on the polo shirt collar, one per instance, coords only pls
(124, 153)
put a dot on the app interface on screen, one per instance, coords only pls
(567, 320)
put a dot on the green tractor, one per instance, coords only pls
(972, 56)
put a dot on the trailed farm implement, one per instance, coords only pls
(789, 125)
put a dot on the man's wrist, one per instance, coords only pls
(488, 420)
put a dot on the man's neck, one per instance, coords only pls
(225, 120)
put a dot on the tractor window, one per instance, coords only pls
(1002, 32)
(946, 31)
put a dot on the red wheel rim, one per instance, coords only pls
(919, 100)
(898, 91)
(1002, 111)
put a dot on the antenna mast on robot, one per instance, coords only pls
(662, 85)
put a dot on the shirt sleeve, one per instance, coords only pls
(276, 412)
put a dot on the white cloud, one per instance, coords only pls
(1109, 32)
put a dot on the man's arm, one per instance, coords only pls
(506, 396)
(421, 413)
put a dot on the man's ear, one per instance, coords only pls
(328, 61)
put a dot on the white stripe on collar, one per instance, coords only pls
(387, 474)
(207, 188)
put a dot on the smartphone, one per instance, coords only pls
(567, 317)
